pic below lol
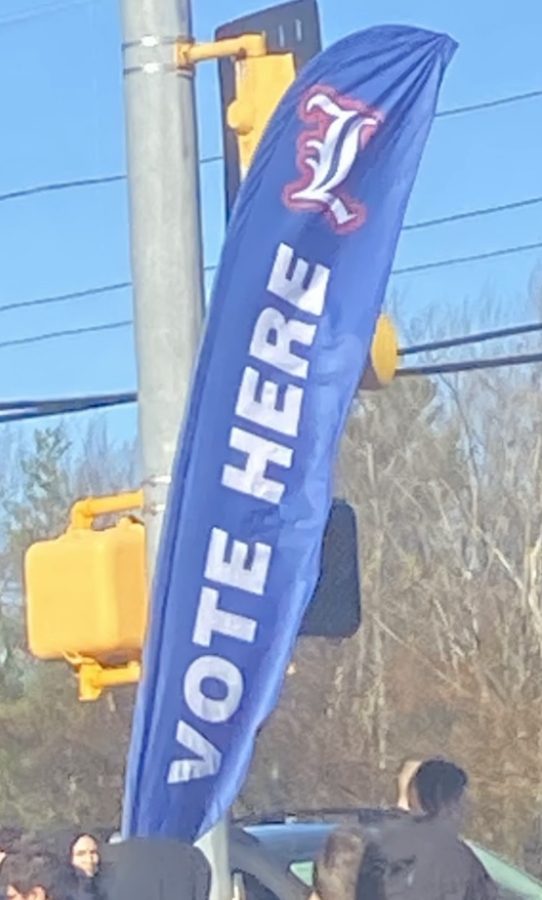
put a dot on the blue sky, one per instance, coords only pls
(62, 118)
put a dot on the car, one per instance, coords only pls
(272, 858)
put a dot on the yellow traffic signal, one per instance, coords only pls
(383, 358)
(260, 84)
(261, 79)
(86, 591)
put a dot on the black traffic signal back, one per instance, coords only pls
(335, 610)
(289, 27)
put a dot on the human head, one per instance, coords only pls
(406, 790)
(9, 839)
(85, 855)
(29, 874)
(440, 787)
(336, 871)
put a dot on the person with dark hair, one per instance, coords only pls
(85, 855)
(336, 871)
(440, 787)
(81, 876)
(421, 857)
(10, 836)
(31, 874)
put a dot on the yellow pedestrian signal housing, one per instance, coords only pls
(260, 84)
(86, 591)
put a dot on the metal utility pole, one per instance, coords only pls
(166, 261)
(165, 234)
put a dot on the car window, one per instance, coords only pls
(304, 870)
(512, 895)
(511, 880)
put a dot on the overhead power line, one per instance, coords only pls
(477, 338)
(472, 213)
(61, 186)
(121, 285)
(68, 332)
(459, 260)
(489, 104)
(81, 183)
(455, 260)
(19, 412)
(20, 405)
(46, 9)
(72, 332)
(61, 298)
(218, 157)
(73, 295)
(472, 365)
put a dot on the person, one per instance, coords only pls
(10, 837)
(336, 871)
(31, 874)
(154, 868)
(407, 800)
(82, 877)
(421, 856)
(85, 855)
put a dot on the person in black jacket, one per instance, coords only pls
(421, 857)
(157, 869)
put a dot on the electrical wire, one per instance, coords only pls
(11, 412)
(15, 405)
(472, 213)
(477, 338)
(61, 186)
(46, 9)
(68, 332)
(81, 182)
(73, 295)
(218, 157)
(17, 342)
(61, 298)
(471, 365)
(18, 411)
(489, 104)
(459, 260)
(454, 260)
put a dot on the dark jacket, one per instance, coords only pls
(422, 859)
(157, 869)
(75, 885)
